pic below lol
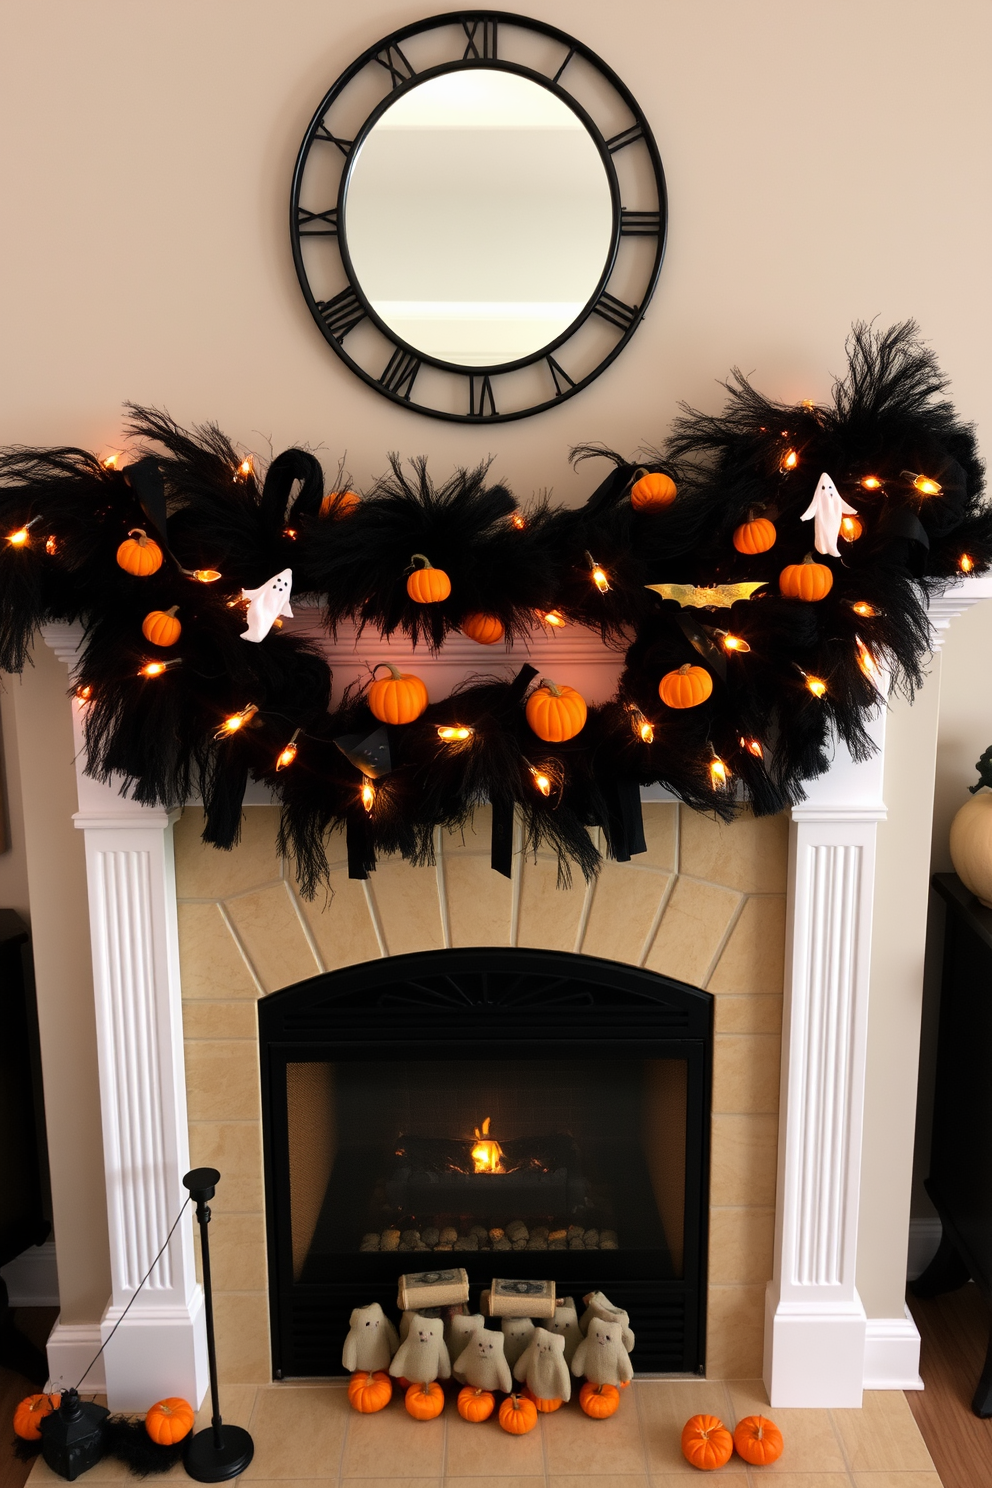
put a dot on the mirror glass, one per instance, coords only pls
(478, 217)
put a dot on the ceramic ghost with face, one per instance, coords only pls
(422, 1356)
(517, 1334)
(826, 511)
(566, 1322)
(542, 1367)
(371, 1341)
(599, 1305)
(266, 604)
(482, 1362)
(460, 1329)
(601, 1356)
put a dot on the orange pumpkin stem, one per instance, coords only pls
(396, 673)
(550, 686)
(418, 559)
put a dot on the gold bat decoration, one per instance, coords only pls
(719, 597)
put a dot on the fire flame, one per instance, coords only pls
(487, 1153)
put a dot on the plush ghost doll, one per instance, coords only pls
(266, 604)
(517, 1334)
(599, 1305)
(542, 1367)
(422, 1356)
(601, 1356)
(482, 1362)
(566, 1322)
(460, 1329)
(371, 1341)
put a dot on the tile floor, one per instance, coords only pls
(306, 1436)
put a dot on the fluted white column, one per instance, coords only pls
(160, 1347)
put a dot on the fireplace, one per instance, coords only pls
(520, 1113)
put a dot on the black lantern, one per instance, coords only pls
(218, 1452)
(73, 1437)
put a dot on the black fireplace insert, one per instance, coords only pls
(520, 1113)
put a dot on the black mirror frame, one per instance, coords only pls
(339, 315)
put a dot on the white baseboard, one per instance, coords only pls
(924, 1237)
(70, 1348)
(892, 1354)
(32, 1277)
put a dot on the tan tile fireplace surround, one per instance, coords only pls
(705, 904)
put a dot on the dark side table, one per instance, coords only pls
(960, 1181)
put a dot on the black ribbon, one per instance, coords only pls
(624, 824)
(358, 841)
(701, 640)
(501, 842)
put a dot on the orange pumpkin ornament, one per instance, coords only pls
(758, 1440)
(556, 713)
(339, 503)
(542, 1406)
(31, 1412)
(161, 627)
(808, 580)
(427, 585)
(599, 1401)
(475, 1405)
(685, 688)
(139, 554)
(486, 629)
(369, 1391)
(706, 1442)
(170, 1420)
(653, 491)
(755, 536)
(424, 1402)
(851, 528)
(399, 698)
(518, 1415)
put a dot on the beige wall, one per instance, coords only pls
(822, 164)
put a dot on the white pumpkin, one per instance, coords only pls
(971, 846)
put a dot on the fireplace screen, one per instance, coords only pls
(516, 1113)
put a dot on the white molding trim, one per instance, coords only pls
(892, 1354)
(70, 1348)
(160, 1348)
(32, 1277)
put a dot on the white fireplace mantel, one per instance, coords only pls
(816, 1329)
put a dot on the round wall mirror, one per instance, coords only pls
(478, 216)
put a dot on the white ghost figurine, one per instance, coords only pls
(598, 1305)
(422, 1356)
(371, 1341)
(460, 1329)
(543, 1368)
(825, 511)
(482, 1362)
(266, 604)
(517, 1333)
(601, 1356)
(566, 1322)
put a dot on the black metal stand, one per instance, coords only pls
(218, 1452)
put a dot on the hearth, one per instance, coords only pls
(519, 1113)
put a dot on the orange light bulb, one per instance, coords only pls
(454, 734)
(718, 773)
(51, 545)
(965, 563)
(816, 686)
(642, 728)
(790, 460)
(851, 528)
(871, 483)
(735, 643)
(926, 486)
(84, 694)
(368, 795)
(753, 746)
(290, 532)
(542, 782)
(152, 669)
(286, 756)
(245, 468)
(519, 521)
(554, 618)
(236, 721)
(19, 538)
(600, 580)
(863, 608)
(205, 575)
(867, 662)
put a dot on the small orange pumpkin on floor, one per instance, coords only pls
(30, 1413)
(427, 585)
(517, 1415)
(485, 629)
(138, 554)
(425, 1401)
(556, 713)
(369, 1391)
(170, 1420)
(399, 698)
(706, 1442)
(755, 536)
(339, 503)
(542, 1405)
(685, 688)
(808, 580)
(161, 627)
(758, 1440)
(653, 491)
(475, 1405)
(599, 1401)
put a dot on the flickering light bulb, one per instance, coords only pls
(519, 521)
(599, 579)
(19, 539)
(153, 669)
(753, 746)
(816, 686)
(51, 545)
(245, 468)
(871, 483)
(204, 575)
(454, 733)
(965, 563)
(790, 460)
(289, 532)
(236, 721)
(734, 643)
(867, 662)
(83, 694)
(642, 728)
(850, 528)
(924, 484)
(718, 773)
(286, 756)
(553, 618)
(110, 463)
(863, 608)
(542, 782)
(368, 795)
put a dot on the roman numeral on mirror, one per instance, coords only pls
(344, 145)
(615, 311)
(399, 69)
(341, 314)
(401, 373)
(624, 138)
(309, 226)
(559, 376)
(568, 57)
(639, 224)
(482, 38)
(481, 403)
